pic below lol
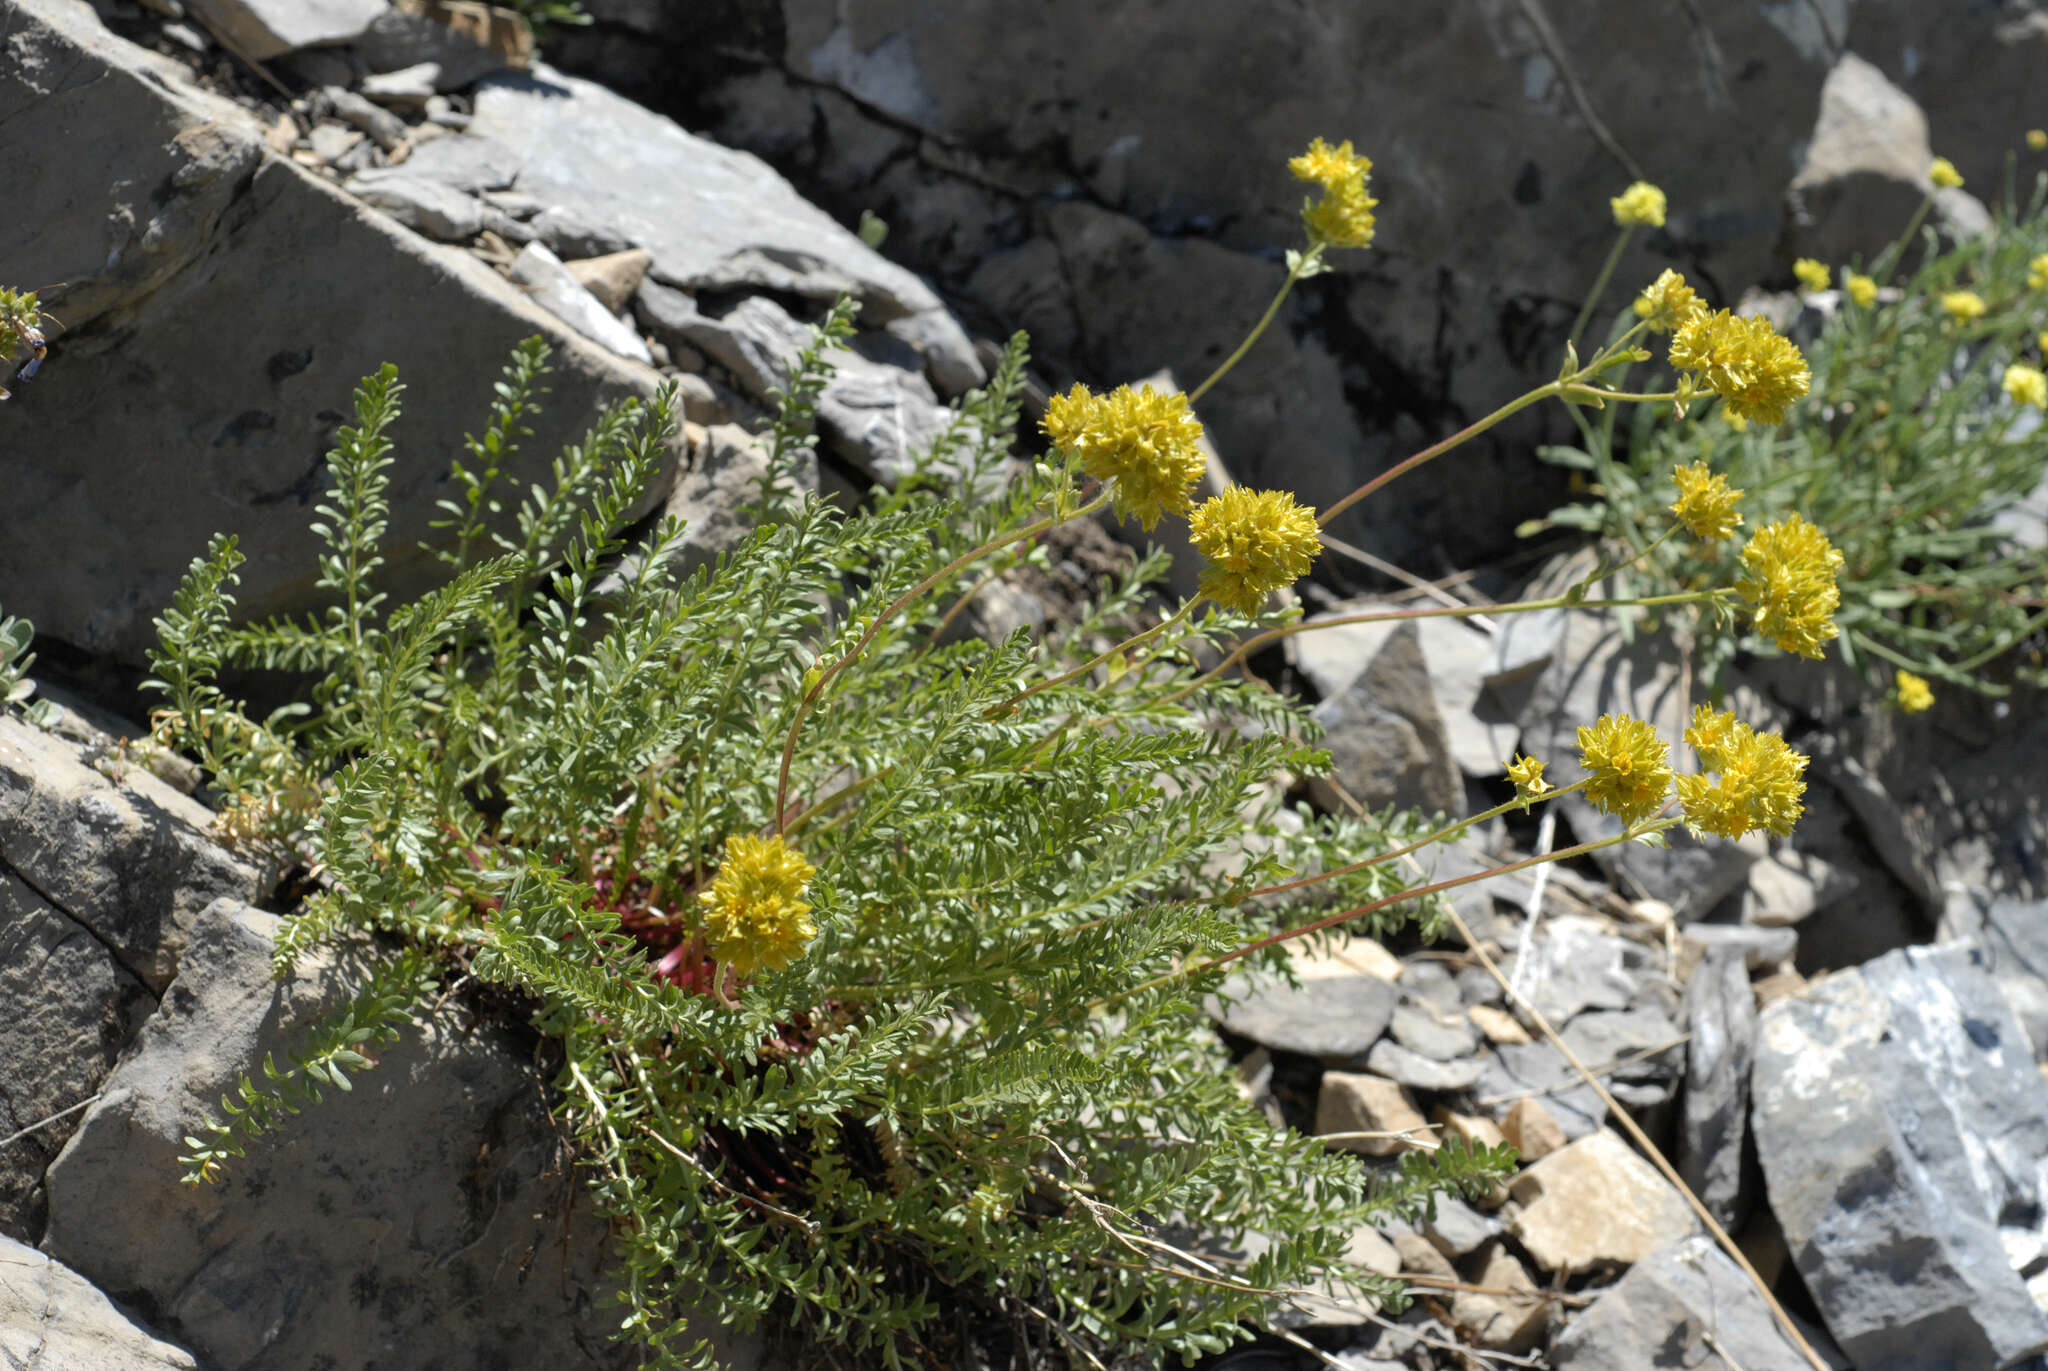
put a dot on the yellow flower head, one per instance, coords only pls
(1962, 305)
(1668, 302)
(1944, 174)
(2027, 385)
(1343, 217)
(1755, 370)
(1788, 575)
(1256, 542)
(2037, 139)
(1913, 691)
(1330, 167)
(1760, 783)
(2037, 273)
(1812, 274)
(1641, 204)
(1527, 774)
(1148, 443)
(1706, 505)
(1862, 290)
(2041, 342)
(755, 916)
(1629, 767)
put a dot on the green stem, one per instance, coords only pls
(1402, 468)
(1294, 273)
(1621, 241)
(1891, 256)
(1097, 660)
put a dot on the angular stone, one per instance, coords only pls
(555, 288)
(262, 29)
(131, 861)
(1901, 1125)
(2014, 935)
(1330, 1017)
(1386, 736)
(1497, 1322)
(1531, 1130)
(1440, 1036)
(613, 277)
(71, 1008)
(1349, 1103)
(52, 1319)
(1595, 1203)
(396, 40)
(1759, 948)
(440, 212)
(1419, 1255)
(1687, 1305)
(713, 218)
(385, 129)
(408, 88)
(1397, 1063)
(1579, 964)
(1499, 1026)
(1538, 1070)
(1612, 1043)
(463, 162)
(330, 142)
(1370, 1249)
(1458, 1229)
(1721, 1019)
(1470, 1128)
(424, 1210)
(1787, 886)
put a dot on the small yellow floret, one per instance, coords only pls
(1527, 774)
(1760, 784)
(2037, 273)
(2027, 385)
(1330, 167)
(1754, 369)
(2037, 139)
(1914, 693)
(1706, 504)
(1963, 305)
(1148, 443)
(755, 916)
(1668, 302)
(1629, 767)
(1812, 274)
(1641, 204)
(1862, 290)
(1256, 542)
(1788, 575)
(1343, 218)
(1944, 174)
(2041, 342)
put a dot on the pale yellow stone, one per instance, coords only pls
(1532, 1131)
(1358, 956)
(1595, 1205)
(1499, 1026)
(1352, 1103)
(1500, 1323)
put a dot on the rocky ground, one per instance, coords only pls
(1836, 1039)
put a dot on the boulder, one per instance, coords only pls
(52, 1319)
(427, 1215)
(1901, 1124)
(1686, 1305)
(261, 29)
(1596, 1203)
(222, 305)
(131, 860)
(1714, 1125)
(1386, 735)
(1331, 1017)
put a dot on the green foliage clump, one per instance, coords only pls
(1906, 452)
(986, 1082)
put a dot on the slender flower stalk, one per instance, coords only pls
(1135, 640)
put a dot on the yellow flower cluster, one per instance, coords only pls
(1962, 305)
(1343, 218)
(1668, 302)
(755, 916)
(1527, 774)
(1148, 443)
(1706, 504)
(1944, 174)
(2027, 385)
(1788, 576)
(1642, 204)
(1759, 784)
(1628, 767)
(1914, 694)
(1862, 290)
(2037, 273)
(2037, 139)
(1256, 542)
(1755, 370)
(1812, 274)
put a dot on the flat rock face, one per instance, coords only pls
(1596, 1203)
(417, 1220)
(52, 1319)
(1386, 734)
(1687, 1305)
(1329, 1016)
(222, 304)
(1902, 1124)
(1721, 1017)
(270, 28)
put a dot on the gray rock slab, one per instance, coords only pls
(1714, 1124)
(1517, 1071)
(1332, 1017)
(2014, 935)
(262, 29)
(1397, 1063)
(131, 861)
(1386, 736)
(1442, 1035)
(1759, 948)
(386, 129)
(395, 40)
(460, 161)
(427, 1217)
(159, 208)
(70, 1009)
(554, 288)
(1579, 963)
(1901, 1124)
(1457, 1229)
(52, 1319)
(1614, 1041)
(439, 211)
(713, 218)
(1687, 1305)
